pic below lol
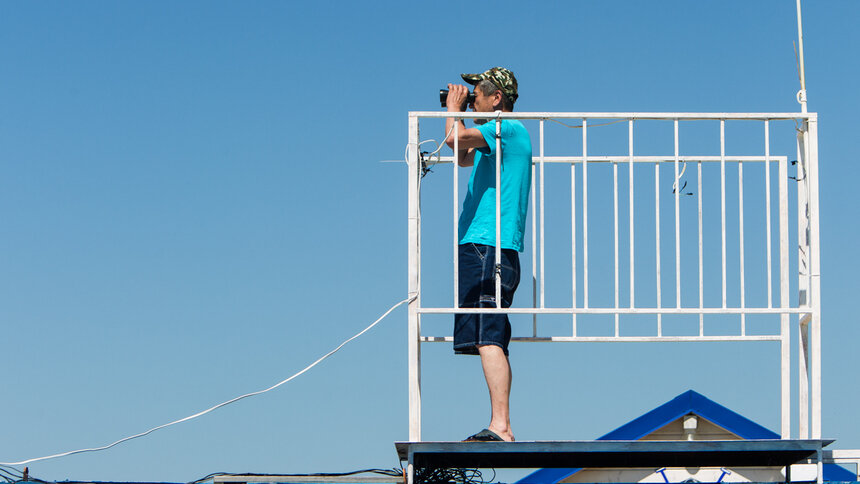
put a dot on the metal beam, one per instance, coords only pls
(609, 453)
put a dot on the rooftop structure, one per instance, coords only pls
(691, 417)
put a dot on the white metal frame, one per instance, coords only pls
(807, 307)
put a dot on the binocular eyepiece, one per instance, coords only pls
(443, 97)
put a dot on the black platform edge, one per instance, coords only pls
(609, 453)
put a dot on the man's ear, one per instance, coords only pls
(498, 101)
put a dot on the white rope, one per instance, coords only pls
(204, 412)
(577, 126)
(680, 175)
(428, 157)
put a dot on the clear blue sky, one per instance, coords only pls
(192, 207)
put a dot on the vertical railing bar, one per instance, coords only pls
(803, 380)
(615, 235)
(815, 278)
(657, 244)
(534, 247)
(701, 254)
(498, 260)
(767, 212)
(785, 329)
(677, 222)
(803, 282)
(542, 223)
(723, 205)
(741, 243)
(573, 243)
(584, 212)
(630, 200)
(414, 282)
(456, 190)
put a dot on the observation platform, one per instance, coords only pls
(610, 453)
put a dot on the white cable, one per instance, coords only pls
(680, 175)
(577, 126)
(434, 153)
(204, 412)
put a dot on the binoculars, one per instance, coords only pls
(443, 97)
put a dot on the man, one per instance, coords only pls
(488, 335)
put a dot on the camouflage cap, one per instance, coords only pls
(501, 77)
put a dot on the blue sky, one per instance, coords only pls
(192, 206)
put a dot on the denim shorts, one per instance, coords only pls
(478, 290)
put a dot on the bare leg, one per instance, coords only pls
(497, 371)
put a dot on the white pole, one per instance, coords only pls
(534, 247)
(723, 204)
(630, 209)
(414, 335)
(785, 329)
(741, 243)
(657, 268)
(803, 286)
(815, 278)
(801, 95)
(767, 212)
(810, 136)
(701, 251)
(615, 234)
(456, 190)
(498, 212)
(573, 244)
(584, 212)
(542, 224)
(677, 223)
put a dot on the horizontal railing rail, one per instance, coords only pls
(639, 159)
(625, 116)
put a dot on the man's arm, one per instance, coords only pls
(466, 158)
(470, 138)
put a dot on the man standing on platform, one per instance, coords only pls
(488, 335)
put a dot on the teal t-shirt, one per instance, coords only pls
(478, 219)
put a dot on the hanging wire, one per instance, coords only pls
(460, 476)
(576, 126)
(393, 472)
(680, 175)
(210, 409)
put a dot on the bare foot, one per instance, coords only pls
(506, 434)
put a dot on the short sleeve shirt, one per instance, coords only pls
(477, 222)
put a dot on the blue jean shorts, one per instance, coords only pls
(478, 290)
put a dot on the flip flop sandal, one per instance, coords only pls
(485, 435)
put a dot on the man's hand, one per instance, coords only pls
(457, 94)
(469, 138)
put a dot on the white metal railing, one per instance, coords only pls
(583, 303)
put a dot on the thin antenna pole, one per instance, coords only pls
(801, 95)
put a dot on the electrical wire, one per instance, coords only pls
(18, 475)
(10, 473)
(577, 126)
(204, 412)
(10, 476)
(393, 472)
(680, 175)
(94, 482)
(446, 475)
(425, 156)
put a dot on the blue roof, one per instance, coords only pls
(684, 404)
